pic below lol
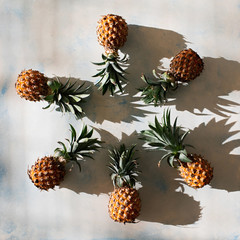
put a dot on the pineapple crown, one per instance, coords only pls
(79, 147)
(169, 138)
(66, 97)
(111, 75)
(156, 90)
(123, 166)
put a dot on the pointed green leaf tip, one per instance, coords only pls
(111, 74)
(67, 97)
(156, 90)
(80, 147)
(123, 166)
(168, 138)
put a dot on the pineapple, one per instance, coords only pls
(34, 86)
(49, 171)
(193, 168)
(112, 31)
(124, 203)
(184, 67)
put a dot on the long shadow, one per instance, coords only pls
(160, 201)
(219, 78)
(117, 108)
(212, 142)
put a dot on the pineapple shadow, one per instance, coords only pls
(160, 201)
(214, 142)
(117, 108)
(219, 78)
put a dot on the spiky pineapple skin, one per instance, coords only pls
(112, 31)
(47, 172)
(32, 85)
(186, 65)
(197, 173)
(124, 205)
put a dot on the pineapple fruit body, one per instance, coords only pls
(32, 85)
(112, 31)
(124, 205)
(186, 66)
(196, 173)
(47, 172)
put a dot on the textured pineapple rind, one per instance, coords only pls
(124, 205)
(32, 85)
(186, 65)
(112, 31)
(112, 73)
(197, 173)
(47, 172)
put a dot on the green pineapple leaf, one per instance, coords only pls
(79, 147)
(66, 97)
(168, 138)
(156, 90)
(112, 73)
(123, 166)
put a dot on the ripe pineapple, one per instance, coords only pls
(193, 168)
(112, 31)
(34, 86)
(49, 171)
(124, 203)
(184, 67)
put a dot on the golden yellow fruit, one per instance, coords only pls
(32, 85)
(124, 205)
(197, 173)
(47, 172)
(112, 31)
(186, 65)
